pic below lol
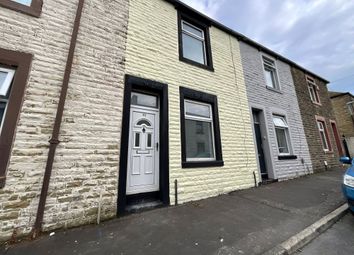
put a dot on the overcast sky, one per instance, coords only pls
(317, 34)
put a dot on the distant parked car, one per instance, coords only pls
(348, 182)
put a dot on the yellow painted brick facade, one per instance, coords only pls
(152, 53)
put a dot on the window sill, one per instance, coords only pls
(328, 152)
(275, 90)
(287, 157)
(201, 164)
(34, 10)
(191, 62)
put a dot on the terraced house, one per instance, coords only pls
(279, 135)
(36, 52)
(144, 103)
(343, 106)
(318, 118)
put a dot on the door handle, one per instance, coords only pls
(157, 146)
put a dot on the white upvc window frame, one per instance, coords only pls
(4, 88)
(287, 134)
(270, 63)
(201, 39)
(322, 129)
(202, 119)
(313, 90)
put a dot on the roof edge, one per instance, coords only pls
(241, 37)
(341, 94)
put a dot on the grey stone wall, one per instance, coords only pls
(273, 102)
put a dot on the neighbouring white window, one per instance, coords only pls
(270, 72)
(24, 2)
(193, 43)
(6, 77)
(351, 108)
(323, 134)
(313, 90)
(282, 134)
(199, 131)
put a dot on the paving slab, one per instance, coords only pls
(243, 222)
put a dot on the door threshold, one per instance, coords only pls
(144, 206)
(268, 181)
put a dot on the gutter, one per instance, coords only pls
(241, 37)
(54, 141)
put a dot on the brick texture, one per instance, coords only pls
(345, 120)
(309, 111)
(272, 102)
(87, 157)
(152, 53)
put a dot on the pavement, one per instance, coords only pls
(244, 222)
(336, 240)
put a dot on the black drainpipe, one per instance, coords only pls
(54, 141)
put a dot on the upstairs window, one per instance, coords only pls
(324, 135)
(313, 90)
(194, 42)
(270, 73)
(30, 7)
(282, 134)
(6, 77)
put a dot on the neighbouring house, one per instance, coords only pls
(278, 129)
(318, 119)
(35, 46)
(343, 106)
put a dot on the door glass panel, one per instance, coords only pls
(199, 145)
(144, 100)
(200, 110)
(149, 140)
(193, 48)
(143, 122)
(137, 140)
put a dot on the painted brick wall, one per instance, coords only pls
(274, 102)
(308, 112)
(87, 158)
(152, 53)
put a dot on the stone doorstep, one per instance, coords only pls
(304, 237)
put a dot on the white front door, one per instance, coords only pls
(143, 155)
